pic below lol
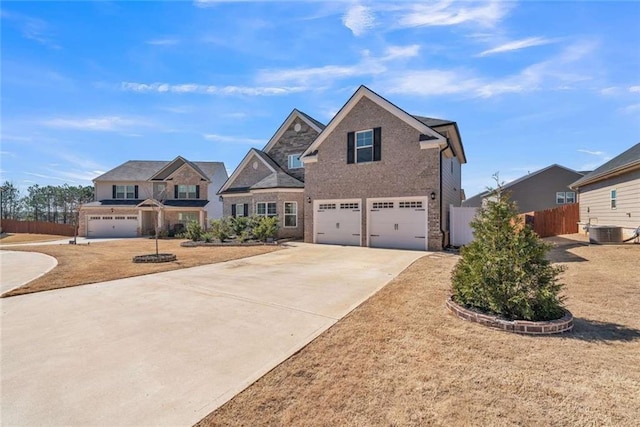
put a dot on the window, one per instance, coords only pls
(408, 205)
(290, 214)
(295, 162)
(325, 206)
(125, 192)
(94, 217)
(349, 205)
(364, 146)
(187, 192)
(382, 205)
(240, 210)
(119, 217)
(159, 191)
(266, 209)
(570, 197)
(132, 217)
(185, 217)
(614, 197)
(563, 197)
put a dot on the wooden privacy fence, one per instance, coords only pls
(551, 222)
(36, 227)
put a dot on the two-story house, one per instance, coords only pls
(131, 197)
(270, 182)
(378, 176)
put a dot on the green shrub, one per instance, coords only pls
(504, 271)
(194, 231)
(266, 228)
(239, 224)
(207, 237)
(220, 228)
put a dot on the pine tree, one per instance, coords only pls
(504, 271)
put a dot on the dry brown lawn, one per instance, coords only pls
(402, 359)
(12, 238)
(98, 262)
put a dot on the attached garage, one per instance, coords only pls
(112, 226)
(338, 222)
(397, 223)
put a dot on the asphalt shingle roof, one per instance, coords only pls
(431, 122)
(142, 170)
(629, 157)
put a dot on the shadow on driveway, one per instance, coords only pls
(596, 331)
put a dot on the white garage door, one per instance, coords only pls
(112, 226)
(337, 222)
(398, 223)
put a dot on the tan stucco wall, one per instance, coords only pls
(404, 168)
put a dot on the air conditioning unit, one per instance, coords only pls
(603, 234)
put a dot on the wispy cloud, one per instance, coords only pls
(105, 123)
(39, 175)
(233, 139)
(630, 109)
(208, 89)
(163, 42)
(517, 45)
(593, 153)
(34, 29)
(448, 12)
(634, 89)
(359, 19)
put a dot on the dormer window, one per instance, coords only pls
(295, 162)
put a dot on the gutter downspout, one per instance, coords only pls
(442, 231)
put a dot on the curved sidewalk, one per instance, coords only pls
(19, 268)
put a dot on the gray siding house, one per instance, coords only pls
(544, 189)
(378, 176)
(610, 195)
(270, 182)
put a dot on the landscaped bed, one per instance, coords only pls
(83, 264)
(402, 358)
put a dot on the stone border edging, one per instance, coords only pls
(191, 244)
(153, 258)
(564, 324)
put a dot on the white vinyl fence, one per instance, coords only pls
(459, 221)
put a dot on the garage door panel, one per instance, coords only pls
(112, 226)
(397, 223)
(337, 222)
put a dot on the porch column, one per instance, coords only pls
(140, 231)
(202, 219)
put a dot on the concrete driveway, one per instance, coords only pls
(168, 348)
(19, 268)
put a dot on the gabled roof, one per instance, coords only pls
(622, 163)
(279, 179)
(506, 186)
(363, 92)
(173, 166)
(431, 122)
(144, 170)
(182, 203)
(313, 123)
(253, 152)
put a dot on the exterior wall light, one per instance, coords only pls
(433, 195)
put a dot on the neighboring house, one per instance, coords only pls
(270, 182)
(610, 195)
(378, 176)
(128, 197)
(544, 189)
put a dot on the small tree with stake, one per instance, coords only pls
(504, 271)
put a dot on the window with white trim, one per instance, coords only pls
(382, 205)
(185, 217)
(295, 162)
(325, 206)
(125, 191)
(349, 205)
(187, 192)
(364, 146)
(560, 198)
(240, 210)
(290, 214)
(412, 204)
(266, 209)
(614, 199)
(570, 197)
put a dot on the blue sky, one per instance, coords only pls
(87, 86)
